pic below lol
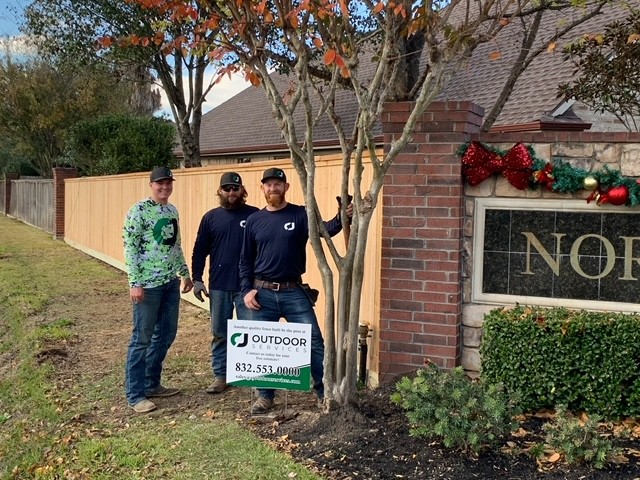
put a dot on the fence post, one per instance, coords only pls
(59, 176)
(7, 191)
(422, 239)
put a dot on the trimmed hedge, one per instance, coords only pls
(550, 356)
(121, 144)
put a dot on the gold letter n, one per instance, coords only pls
(532, 240)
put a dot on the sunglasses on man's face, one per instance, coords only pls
(228, 188)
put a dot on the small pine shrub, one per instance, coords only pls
(455, 410)
(580, 443)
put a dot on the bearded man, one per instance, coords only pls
(220, 238)
(272, 262)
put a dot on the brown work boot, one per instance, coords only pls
(163, 392)
(262, 405)
(219, 385)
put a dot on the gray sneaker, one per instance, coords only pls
(262, 405)
(163, 392)
(143, 406)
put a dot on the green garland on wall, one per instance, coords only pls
(525, 170)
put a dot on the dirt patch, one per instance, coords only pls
(370, 441)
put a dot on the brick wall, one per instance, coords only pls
(421, 277)
(59, 176)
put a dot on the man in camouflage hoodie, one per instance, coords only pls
(155, 261)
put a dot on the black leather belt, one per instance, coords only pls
(274, 285)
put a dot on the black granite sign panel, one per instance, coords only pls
(580, 255)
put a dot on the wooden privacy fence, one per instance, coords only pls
(95, 208)
(32, 202)
(421, 285)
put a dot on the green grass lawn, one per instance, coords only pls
(50, 430)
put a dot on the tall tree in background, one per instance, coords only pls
(10, 161)
(143, 100)
(40, 102)
(609, 72)
(381, 51)
(71, 29)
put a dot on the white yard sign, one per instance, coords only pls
(269, 355)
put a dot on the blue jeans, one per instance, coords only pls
(294, 306)
(221, 305)
(155, 324)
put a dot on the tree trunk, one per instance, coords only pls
(190, 145)
(188, 125)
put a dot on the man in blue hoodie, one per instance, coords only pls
(220, 238)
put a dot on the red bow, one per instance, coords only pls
(479, 163)
(545, 176)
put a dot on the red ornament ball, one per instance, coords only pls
(616, 195)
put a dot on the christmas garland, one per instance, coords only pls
(524, 170)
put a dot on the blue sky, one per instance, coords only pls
(11, 16)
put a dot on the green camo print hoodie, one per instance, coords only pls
(152, 249)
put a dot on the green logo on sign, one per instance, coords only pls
(239, 339)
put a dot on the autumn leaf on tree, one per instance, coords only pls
(329, 57)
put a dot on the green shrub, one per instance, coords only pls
(121, 144)
(578, 442)
(586, 360)
(455, 410)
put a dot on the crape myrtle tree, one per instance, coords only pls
(126, 33)
(607, 64)
(380, 50)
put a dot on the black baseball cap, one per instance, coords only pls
(276, 173)
(161, 173)
(230, 178)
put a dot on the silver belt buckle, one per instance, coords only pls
(276, 286)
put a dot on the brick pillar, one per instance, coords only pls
(422, 233)
(7, 190)
(59, 176)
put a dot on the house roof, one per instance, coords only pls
(245, 122)
(535, 95)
